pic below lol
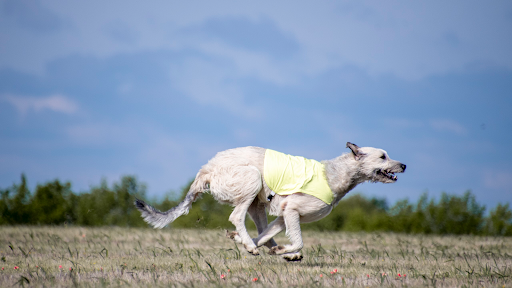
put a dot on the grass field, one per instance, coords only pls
(74, 256)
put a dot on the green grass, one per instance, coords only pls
(197, 258)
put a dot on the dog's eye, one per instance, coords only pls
(383, 157)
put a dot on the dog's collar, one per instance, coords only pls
(272, 194)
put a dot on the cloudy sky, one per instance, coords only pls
(101, 89)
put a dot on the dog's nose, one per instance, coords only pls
(403, 167)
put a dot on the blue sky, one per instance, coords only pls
(101, 89)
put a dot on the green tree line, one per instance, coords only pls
(54, 203)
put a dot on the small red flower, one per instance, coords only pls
(368, 275)
(60, 266)
(399, 275)
(2, 268)
(222, 276)
(321, 275)
(16, 267)
(332, 272)
(335, 270)
(229, 270)
(254, 279)
(405, 275)
(70, 268)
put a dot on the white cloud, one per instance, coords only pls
(55, 103)
(168, 161)
(254, 64)
(498, 180)
(448, 125)
(97, 134)
(410, 40)
(209, 83)
(403, 123)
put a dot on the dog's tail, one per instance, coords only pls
(160, 219)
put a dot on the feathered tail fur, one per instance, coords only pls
(160, 219)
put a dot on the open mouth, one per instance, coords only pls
(387, 174)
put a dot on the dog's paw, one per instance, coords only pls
(293, 256)
(233, 235)
(252, 249)
(277, 250)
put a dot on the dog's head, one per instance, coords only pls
(375, 164)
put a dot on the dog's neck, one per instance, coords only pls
(342, 175)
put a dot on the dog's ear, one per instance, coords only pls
(355, 150)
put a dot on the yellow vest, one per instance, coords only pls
(286, 174)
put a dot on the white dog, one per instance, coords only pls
(241, 177)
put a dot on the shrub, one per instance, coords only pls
(55, 203)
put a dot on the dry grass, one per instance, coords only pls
(198, 258)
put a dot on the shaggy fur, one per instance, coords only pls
(235, 177)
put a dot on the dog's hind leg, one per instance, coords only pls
(238, 219)
(258, 215)
(244, 183)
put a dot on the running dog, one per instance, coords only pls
(295, 189)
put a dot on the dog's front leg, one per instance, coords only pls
(292, 222)
(258, 215)
(273, 228)
(265, 238)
